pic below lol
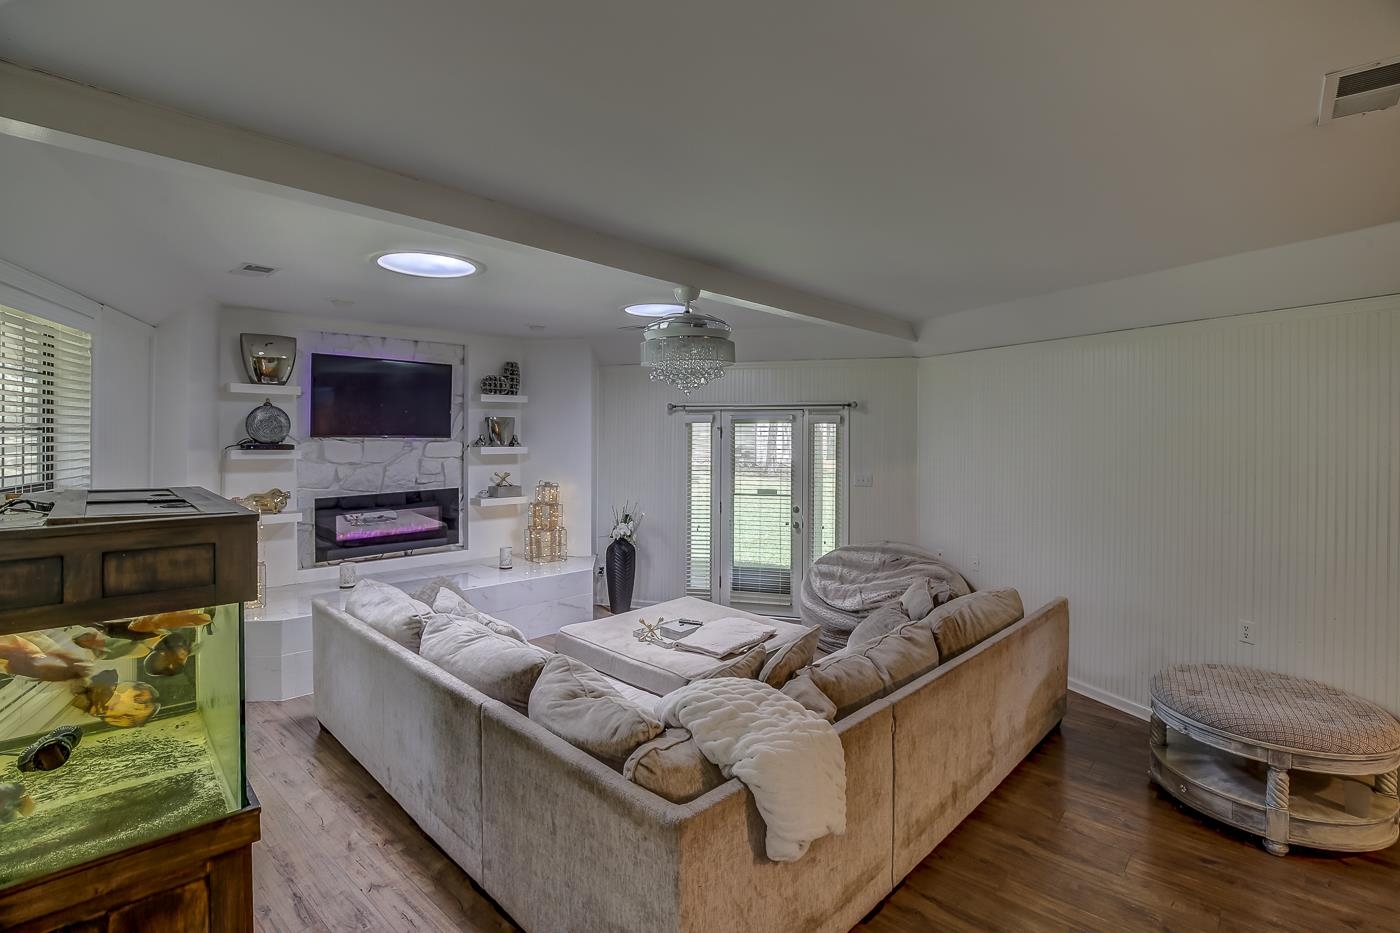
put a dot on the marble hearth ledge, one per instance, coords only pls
(536, 598)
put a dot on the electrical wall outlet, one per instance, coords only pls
(1249, 633)
(976, 563)
(938, 553)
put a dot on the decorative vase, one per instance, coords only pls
(620, 568)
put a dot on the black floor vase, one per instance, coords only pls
(621, 567)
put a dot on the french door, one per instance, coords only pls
(766, 497)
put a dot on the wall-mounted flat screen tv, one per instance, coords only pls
(353, 396)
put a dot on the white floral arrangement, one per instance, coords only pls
(625, 521)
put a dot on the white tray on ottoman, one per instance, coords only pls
(610, 646)
(1242, 731)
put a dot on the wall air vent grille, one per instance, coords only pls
(253, 268)
(1360, 90)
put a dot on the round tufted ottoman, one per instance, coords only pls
(1292, 760)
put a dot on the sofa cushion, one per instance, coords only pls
(858, 674)
(882, 621)
(803, 690)
(445, 598)
(500, 667)
(790, 658)
(672, 766)
(967, 620)
(576, 703)
(389, 611)
(747, 665)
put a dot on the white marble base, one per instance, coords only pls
(535, 598)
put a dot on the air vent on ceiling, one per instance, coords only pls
(252, 268)
(1360, 90)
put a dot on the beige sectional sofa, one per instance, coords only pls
(565, 843)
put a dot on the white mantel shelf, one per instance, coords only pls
(501, 451)
(233, 453)
(503, 500)
(254, 388)
(503, 399)
(279, 518)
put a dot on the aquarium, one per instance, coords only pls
(117, 733)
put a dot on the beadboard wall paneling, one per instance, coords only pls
(640, 450)
(1174, 481)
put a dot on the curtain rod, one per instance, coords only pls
(672, 408)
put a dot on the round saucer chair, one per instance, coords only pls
(847, 584)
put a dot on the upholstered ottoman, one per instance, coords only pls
(1292, 760)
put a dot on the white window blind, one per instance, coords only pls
(761, 494)
(700, 486)
(45, 404)
(826, 507)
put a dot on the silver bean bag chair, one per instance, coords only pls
(850, 582)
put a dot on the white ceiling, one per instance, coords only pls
(920, 158)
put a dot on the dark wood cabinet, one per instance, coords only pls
(181, 559)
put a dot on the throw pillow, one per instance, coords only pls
(858, 674)
(801, 689)
(883, 620)
(671, 766)
(747, 665)
(389, 611)
(790, 658)
(576, 703)
(448, 600)
(963, 623)
(928, 593)
(500, 667)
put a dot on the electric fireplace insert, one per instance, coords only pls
(348, 527)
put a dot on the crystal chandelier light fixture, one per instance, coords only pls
(687, 350)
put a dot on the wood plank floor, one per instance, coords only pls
(1076, 839)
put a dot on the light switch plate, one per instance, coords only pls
(864, 479)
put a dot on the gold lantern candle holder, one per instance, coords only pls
(546, 540)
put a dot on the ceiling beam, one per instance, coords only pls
(55, 110)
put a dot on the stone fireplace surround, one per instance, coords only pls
(355, 466)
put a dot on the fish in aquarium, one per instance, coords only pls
(124, 705)
(14, 801)
(143, 627)
(52, 751)
(169, 656)
(22, 657)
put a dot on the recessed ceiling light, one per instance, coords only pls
(428, 265)
(655, 309)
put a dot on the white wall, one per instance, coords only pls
(558, 376)
(122, 382)
(1175, 480)
(641, 450)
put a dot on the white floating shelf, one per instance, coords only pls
(488, 503)
(504, 399)
(279, 518)
(234, 453)
(253, 388)
(501, 451)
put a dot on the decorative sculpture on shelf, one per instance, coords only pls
(269, 358)
(545, 537)
(271, 502)
(508, 383)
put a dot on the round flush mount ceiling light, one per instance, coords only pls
(428, 265)
(655, 309)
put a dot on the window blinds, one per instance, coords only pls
(45, 404)
(699, 438)
(761, 493)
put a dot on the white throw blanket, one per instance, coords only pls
(789, 757)
(723, 637)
